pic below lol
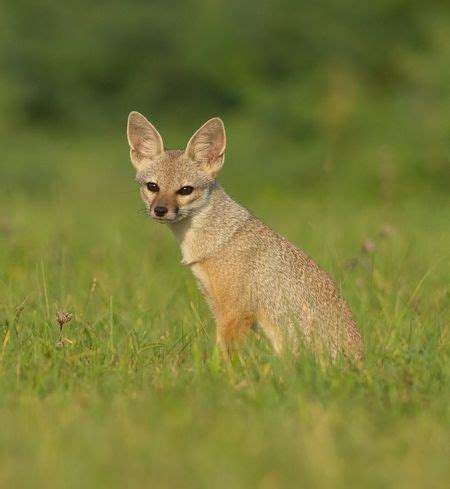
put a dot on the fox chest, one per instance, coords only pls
(221, 285)
(203, 278)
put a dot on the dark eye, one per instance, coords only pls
(185, 190)
(152, 187)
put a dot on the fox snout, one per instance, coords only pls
(163, 211)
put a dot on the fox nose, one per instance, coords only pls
(160, 211)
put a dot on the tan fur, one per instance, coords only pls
(248, 273)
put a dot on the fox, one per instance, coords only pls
(251, 276)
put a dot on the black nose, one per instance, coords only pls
(160, 211)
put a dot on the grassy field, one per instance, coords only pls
(136, 396)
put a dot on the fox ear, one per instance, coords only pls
(207, 146)
(144, 140)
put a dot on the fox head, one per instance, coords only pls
(175, 184)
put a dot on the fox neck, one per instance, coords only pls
(202, 235)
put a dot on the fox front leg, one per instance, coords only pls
(231, 331)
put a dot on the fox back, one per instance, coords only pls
(249, 274)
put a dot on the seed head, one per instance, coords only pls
(368, 246)
(63, 317)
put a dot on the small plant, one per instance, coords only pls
(62, 317)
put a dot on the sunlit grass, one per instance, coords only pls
(131, 393)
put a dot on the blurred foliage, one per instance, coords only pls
(63, 60)
(362, 87)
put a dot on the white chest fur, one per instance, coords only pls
(202, 277)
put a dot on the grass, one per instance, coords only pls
(137, 397)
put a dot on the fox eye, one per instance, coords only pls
(152, 187)
(185, 190)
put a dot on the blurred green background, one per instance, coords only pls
(338, 86)
(338, 123)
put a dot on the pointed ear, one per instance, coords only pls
(207, 146)
(144, 140)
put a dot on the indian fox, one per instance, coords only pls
(249, 274)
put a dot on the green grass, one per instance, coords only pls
(138, 398)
